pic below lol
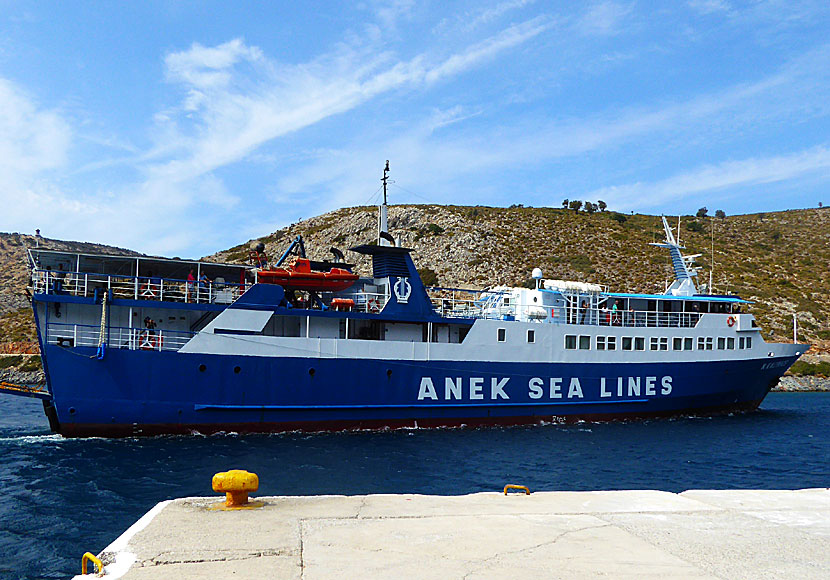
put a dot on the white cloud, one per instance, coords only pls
(231, 115)
(488, 15)
(32, 140)
(714, 178)
(604, 18)
(710, 6)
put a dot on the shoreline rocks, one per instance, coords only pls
(802, 384)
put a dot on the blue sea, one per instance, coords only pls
(62, 497)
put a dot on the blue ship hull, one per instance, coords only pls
(144, 393)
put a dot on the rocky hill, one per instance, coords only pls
(16, 322)
(780, 260)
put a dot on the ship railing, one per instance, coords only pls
(136, 287)
(70, 335)
(624, 318)
(452, 306)
(464, 303)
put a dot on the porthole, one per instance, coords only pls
(388, 373)
(311, 372)
(202, 368)
(237, 370)
(72, 410)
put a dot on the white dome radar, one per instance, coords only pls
(536, 274)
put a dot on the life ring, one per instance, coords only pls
(145, 340)
(150, 341)
(372, 305)
(730, 322)
(148, 290)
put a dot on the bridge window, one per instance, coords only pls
(677, 343)
(639, 343)
(570, 341)
(721, 343)
(730, 343)
(627, 343)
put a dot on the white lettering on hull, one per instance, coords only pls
(627, 388)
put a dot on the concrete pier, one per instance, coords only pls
(613, 534)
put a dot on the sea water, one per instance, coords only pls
(62, 497)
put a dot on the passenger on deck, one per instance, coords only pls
(190, 285)
(150, 325)
(60, 279)
(583, 309)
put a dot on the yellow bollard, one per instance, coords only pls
(236, 484)
(519, 487)
(89, 556)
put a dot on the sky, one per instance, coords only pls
(182, 128)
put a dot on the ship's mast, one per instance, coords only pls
(684, 272)
(382, 213)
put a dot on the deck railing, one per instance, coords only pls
(136, 287)
(455, 306)
(62, 334)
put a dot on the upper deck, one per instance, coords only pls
(137, 277)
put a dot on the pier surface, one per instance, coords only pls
(614, 534)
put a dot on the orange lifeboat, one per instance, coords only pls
(300, 276)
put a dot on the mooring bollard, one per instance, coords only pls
(236, 484)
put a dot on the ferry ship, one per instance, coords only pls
(142, 346)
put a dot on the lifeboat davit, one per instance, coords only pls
(300, 276)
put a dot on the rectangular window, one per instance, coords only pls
(741, 343)
(531, 336)
(639, 343)
(687, 343)
(721, 343)
(749, 342)
(709, 342)
(730, 343)
(611, 343)
(664, 343)
(677, 343)
(701, 343)
(502, 334)
(653, 343)
(584, 343)
(570, 341)
(627, 343)
(600, 343)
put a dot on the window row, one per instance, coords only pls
(583, 342)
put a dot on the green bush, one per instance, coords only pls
(428, 276)
(31, 365)
(695, 226)
(801, 368)
(10, 361)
